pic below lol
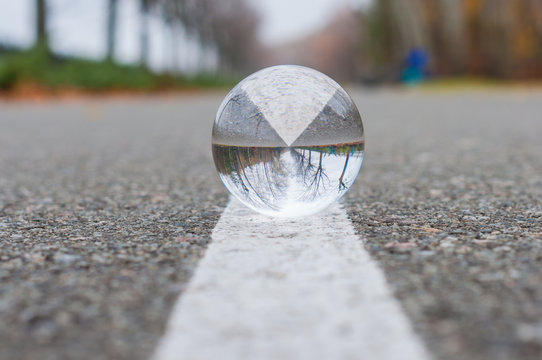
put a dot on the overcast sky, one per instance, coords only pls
(284, 20)
(78, 26)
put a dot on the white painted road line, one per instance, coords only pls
(287, 289)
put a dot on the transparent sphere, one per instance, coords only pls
(288, 141)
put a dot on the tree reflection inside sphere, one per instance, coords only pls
(288, 141)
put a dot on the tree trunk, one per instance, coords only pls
(411, 26)
(144, 33)
(174, 38)
(399, 27)
(41, 25)
(453, 35)
(111, 29)
(495, 40)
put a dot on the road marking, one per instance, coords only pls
(287, 289)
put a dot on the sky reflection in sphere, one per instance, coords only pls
(288, 141)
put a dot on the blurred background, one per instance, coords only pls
(155, 44)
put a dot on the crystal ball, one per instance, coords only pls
(288, 141)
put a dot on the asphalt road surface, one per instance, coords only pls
(106, 206)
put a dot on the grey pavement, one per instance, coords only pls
(106, 206)
(450, 202)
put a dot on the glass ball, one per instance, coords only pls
(288, 141)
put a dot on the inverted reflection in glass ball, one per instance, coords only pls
(288, 141)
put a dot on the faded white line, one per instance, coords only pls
(287, 289)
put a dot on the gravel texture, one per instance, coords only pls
(449, 202)
(106, 206)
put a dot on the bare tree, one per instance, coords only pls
(145, 10)
(496, 38)
(205, 29)
(42, 39)
(411, 26)
(234, 28)
(495, 35)
(111, 28)
(393, 28)
(174, 12)
(227, 26)
(199, 20)
(453, 36)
